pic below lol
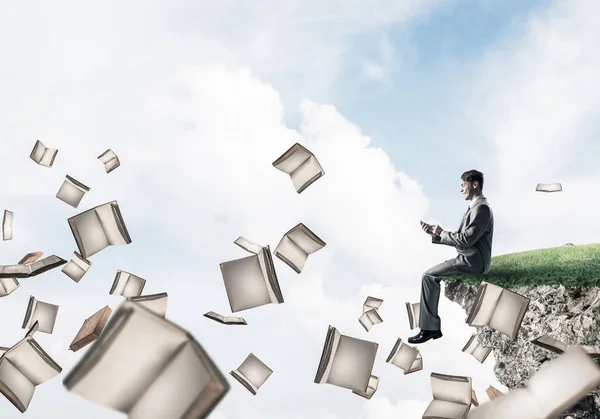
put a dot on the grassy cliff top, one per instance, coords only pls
(571, 266)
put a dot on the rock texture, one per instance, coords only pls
(571, 315)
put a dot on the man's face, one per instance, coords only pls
(466, 188)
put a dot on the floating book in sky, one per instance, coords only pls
(31, 269)
(252, 374)
(474, 400)
(147, 368)
(72, 191)
(498, 308)
(8, 285)
(127, 285)
(157, 303)
(42, 313)
(556, 386)
(301, 165)
(98, 228)
(413, 310)
(296, 245)
(91, 329)
(476, 349)
(251, 281)
(7, 225)
(451, 397)
(407, 358)
(76, 267)
(24, 367)
(30, 258)
(370, 316)
(559, 347)
(493, 392)
(42, 155)
(225, 319)
(371, 389)
(548, 187)
(346, 362)
(110, 160)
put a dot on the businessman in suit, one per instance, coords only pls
(473, 243)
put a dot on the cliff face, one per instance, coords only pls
(571, 315)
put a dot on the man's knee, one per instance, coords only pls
(428, 278)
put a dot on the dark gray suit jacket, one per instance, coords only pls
(473, 239)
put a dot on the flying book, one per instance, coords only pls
(110, 160)
(3, 350)
(24, 367)
(42, 313)
(371, 389)
(474, 400)
(548, 187)
(556, 386)
(76, 267)
(147, 368)
(72, 191)
(7, 225)
(91, 329)
(413, 310)
(157, 303)
(451, 397)
(30, 258)
(476, 349)
(225, 319)
(498, 308)
(252, 374)
(31, 269)
(301, 165)
(370, 316)
(98, 228)
(493, 392)
(296, 245)
(407, 358)
(127, 285)
(346, 362)
(559, 347)
(8, 285)
(42, 155)
(251, 281)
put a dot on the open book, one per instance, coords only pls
(157, 303)
(76, 267)
(476, 349)
(110, 160)
(370, 316)
(22, 368)
(8, 285)
(225, 319)
(559, 347)
(127, 285)
(371, 389)
(148, 368)
(7, 225)
(296, 245)
(72, 191)
(31, 269)
(301, 165)
(98, 228)
(251, 281)
(451, 397)
(407, 358)
(556, 386)
(498, 308)
(548, 187)
(493, 392)
(42, 313)
(91, 329)
(252, 374)
(30, 258)
(413, 310)
(42, 155)
(346, 362)
(474, 400)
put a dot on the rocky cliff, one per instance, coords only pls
(571, 315)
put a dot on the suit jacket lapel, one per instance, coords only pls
(479, 201)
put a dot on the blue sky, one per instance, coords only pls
(198, 98)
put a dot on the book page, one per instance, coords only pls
(157, 303)
(551, 344)
(248, 245)
(7, 225)
(255, 371)
(48, 157)
(352, 364)
(8, 286)
(405, 356)
(329, 353)
(413, 310)
(291, 252)
(451, 388)
(127, 284)
(303, 240)
(442, 409)
(45, 314)
(489, 297)
(28, 360)
(109, 223)
(37, 152)
(296, 156)
(505, 318)
(306, 173)
(175, 389)
(372, 302)
(16, 382)
(88, 232)
(263, 261)
(245, 283)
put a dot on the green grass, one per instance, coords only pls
(571, 266)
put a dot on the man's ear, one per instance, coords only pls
(475, 184)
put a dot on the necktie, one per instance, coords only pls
(468, 208)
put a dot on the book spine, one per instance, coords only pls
(29, 310)
(325, 355)
(477, 303)
(272, 275)
(120, 222)
(520, 319)
(394, 350)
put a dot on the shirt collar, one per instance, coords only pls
(474, 201)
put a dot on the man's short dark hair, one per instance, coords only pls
(472, 176)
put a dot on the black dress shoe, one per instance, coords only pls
(424, 335)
